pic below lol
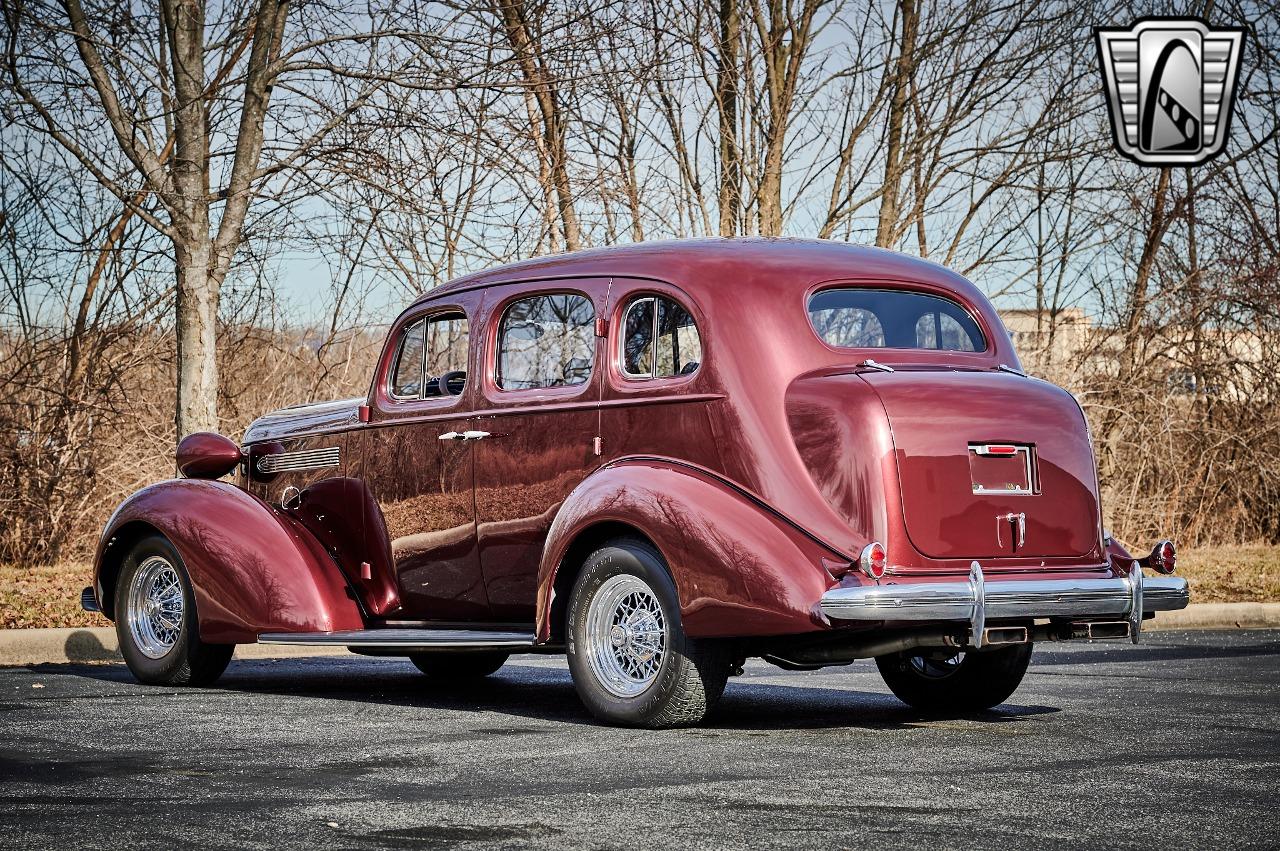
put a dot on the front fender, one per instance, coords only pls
(253, 568)
(739, 568)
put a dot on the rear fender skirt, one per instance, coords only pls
(739, 568)
(253, 567)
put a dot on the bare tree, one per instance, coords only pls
(194, 144)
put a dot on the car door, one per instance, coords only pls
(540, 411)
(415, 467)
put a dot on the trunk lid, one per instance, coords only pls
(991, 465)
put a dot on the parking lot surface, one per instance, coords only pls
(1173, 743)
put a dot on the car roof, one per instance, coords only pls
(695, 263)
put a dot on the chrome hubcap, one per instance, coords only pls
(626, 635)
(155, 607)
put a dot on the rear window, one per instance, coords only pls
(893, 319)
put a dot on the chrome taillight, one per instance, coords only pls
(1163, 558)
(873, 560)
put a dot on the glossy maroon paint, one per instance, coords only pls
(254, 568)
(541, 446)
(739, 568)
(760, 476)
(205, 455)
(942, 517)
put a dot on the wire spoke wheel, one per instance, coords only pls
(156, 606)
(626, 635)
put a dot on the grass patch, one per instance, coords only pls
(1232, 574)
(49, 595)
(45, 595)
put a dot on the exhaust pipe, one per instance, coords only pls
(843, 653)
(997, 635)
(1083, 631)
(1100, 629)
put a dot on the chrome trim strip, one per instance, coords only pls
(402, 638)
(307, 459)
(1025, 598)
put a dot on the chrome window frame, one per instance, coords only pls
(405, 330)
(621, 352)
(653, 341)
(496, 377)
(424, 321)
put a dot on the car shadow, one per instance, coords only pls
(545, 693)
(1089, 654)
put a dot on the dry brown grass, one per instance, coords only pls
(49, 595)
(1232, 573)
(45, 595)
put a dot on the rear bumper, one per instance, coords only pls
(978, 600)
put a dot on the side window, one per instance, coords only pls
(431, 350)
(546, 341)
(954, 337)
(659, 339)
(446, 355)
(853, 327)
(406, 375)
(637, 338)
(942, 331)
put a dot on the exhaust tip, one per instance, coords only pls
(997, 635)
(1100, 630)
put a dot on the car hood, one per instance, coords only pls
(300, 420)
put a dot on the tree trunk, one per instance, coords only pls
(197, 303)
(529, 54)
(730, 195)
(1146, 264)
(197, 289)
(886, 229)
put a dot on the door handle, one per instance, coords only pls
(452, 435)
(474, 435)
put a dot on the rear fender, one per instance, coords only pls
(253, 567)
(739, 568)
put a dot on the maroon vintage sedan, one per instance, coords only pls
(660, 460)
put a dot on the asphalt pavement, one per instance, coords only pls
(1173, 743)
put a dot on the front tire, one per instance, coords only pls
(452, 667)
(631, 662)
(156, 621)
(955, 683)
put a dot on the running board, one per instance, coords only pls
(403, 639)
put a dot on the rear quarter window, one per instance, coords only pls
(857, 318)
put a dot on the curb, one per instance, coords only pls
(1219, 616)
(21, 647)
(54, 646)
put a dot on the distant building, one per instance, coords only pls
(1044, 338)
(1226, 363)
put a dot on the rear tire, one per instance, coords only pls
(156, 620)
(968, 682)
(631, 661)
(459, 666)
